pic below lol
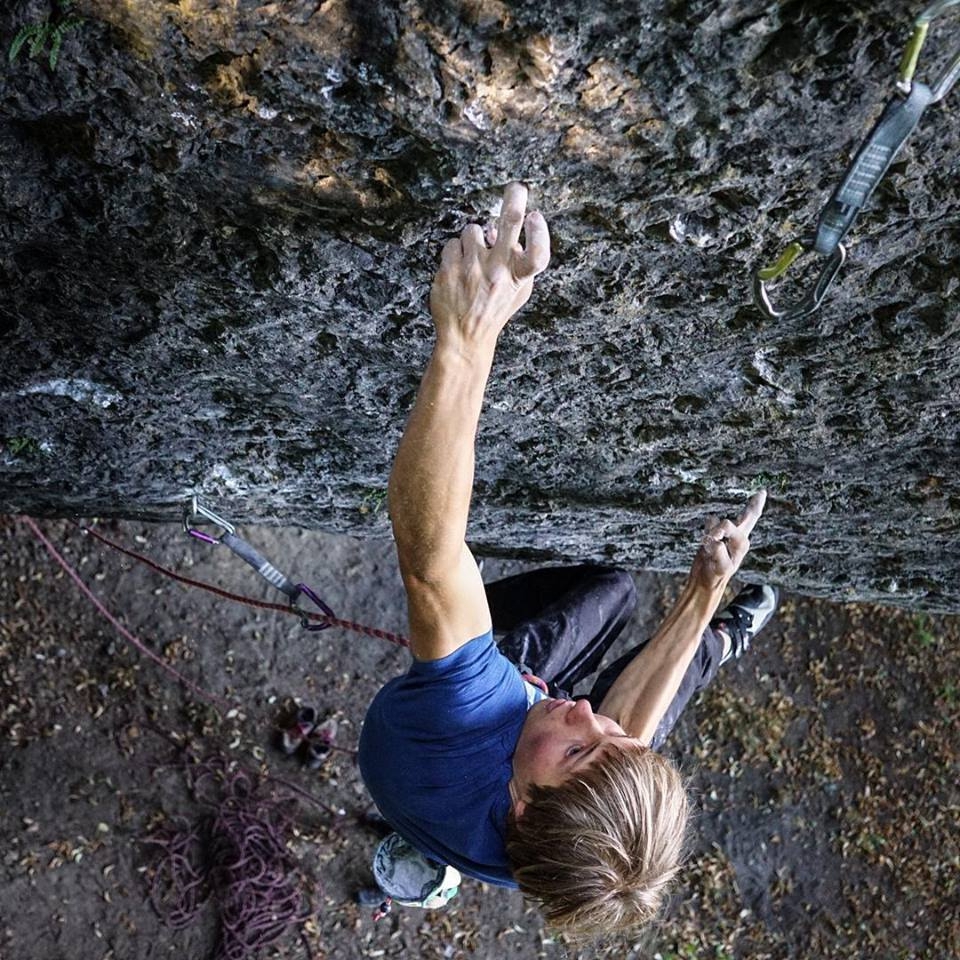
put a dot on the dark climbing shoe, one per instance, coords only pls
(290, 738)
(317, 747)
(370, 897)
(373, 821)
(746, 615)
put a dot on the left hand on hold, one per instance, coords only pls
(724, 546)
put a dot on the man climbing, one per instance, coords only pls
(475, 766)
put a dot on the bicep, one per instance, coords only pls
(448, 610)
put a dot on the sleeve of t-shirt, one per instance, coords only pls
(459, 694)
(445, 725)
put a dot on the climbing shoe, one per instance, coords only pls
(290, 738)
(745, 616)
(317, 746)
(407, 876)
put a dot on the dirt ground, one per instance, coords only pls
(824, 765)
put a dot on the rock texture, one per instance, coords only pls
(220, 220)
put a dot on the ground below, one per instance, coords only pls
(824, 765)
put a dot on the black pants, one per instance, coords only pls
(558, 623)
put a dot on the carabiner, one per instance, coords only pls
(304, 622)
(810, 303)
(911, 55)
(947, 79)
(868, 167)
(195, 509)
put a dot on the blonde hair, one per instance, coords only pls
(599, 851)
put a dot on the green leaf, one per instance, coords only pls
(40, 39)
(20, 39)
(55, 48)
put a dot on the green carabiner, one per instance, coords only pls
(911, 55)
(869, 166)
(810, 303)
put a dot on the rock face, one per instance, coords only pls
(220, 221)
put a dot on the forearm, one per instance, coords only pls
(476, 290)
(432, 479)
(642, 693)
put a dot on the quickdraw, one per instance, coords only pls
(195, 511)
(872, 160)
(309, 619)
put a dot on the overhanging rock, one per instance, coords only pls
(220, 223)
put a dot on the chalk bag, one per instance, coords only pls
(405, 875)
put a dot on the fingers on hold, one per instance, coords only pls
(512, 210)
(536, 256)
(752, 511)
(515, 198)
(724, 530)
(452, 253)
(471, 239)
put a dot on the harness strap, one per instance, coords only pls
(537, 682)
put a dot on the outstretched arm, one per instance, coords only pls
(641, 694)
(475, 292)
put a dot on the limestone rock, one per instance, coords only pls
(220, 221)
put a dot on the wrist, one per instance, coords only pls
(703, 596)
(453, 350)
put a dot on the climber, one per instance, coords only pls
(475, 766)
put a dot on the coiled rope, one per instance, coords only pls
(234, 856)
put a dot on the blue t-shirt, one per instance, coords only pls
(436, 751)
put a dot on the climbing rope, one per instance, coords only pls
(866, 170)
(121, 629)
(324, 620)
(234, 855)
(309, 619)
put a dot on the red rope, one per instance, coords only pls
(249, 601)
(145, 650)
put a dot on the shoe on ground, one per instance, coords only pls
(317, 744)
(745, 616)
(290, 738)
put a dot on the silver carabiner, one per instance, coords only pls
(811, 302)
(946, 80)
(193, 510)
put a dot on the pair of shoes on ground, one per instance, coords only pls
(744, 617)
(307, 738)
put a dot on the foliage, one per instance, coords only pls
(22, 446)
(51, 30)
(774, 482)
(922, 631)
(373, 501)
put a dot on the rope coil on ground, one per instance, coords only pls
(234, 856)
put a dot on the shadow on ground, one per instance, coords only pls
(824, 764)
